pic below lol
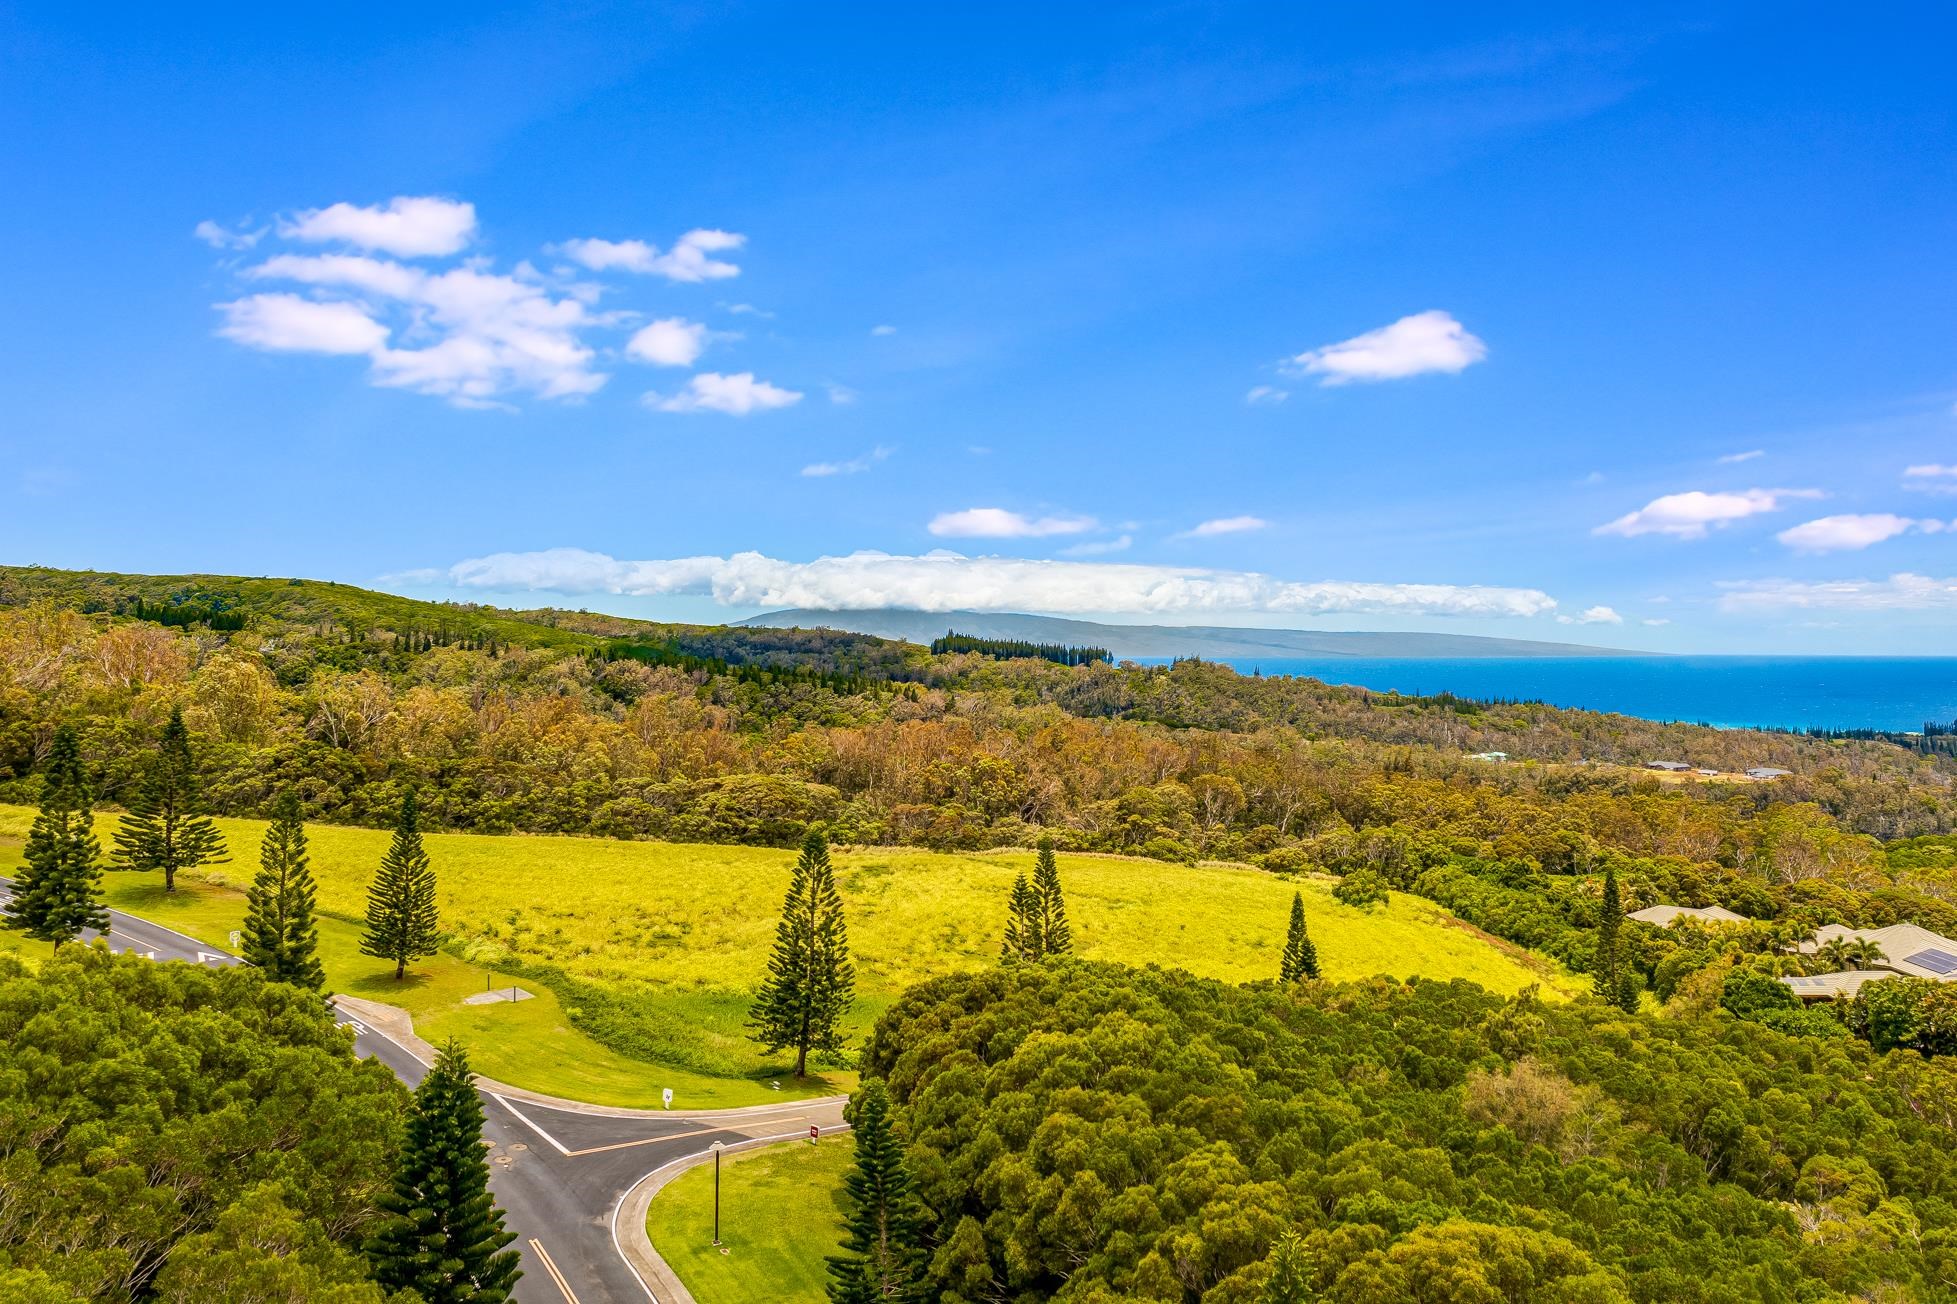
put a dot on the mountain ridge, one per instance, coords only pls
(1211, 642)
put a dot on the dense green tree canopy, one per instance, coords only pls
(200, 1134)
(1095, 1133)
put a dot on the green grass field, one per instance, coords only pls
(781, 1214)
(663, 942)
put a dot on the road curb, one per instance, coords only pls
(629, 1217)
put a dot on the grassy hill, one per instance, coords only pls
(654, 947)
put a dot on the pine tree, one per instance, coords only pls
(1055, 937)
(401, 923)
(443, 1235)
(1300, 954)
(280, 936)
(167, 827)
(1023, 941)
(58, 891)
(810, 980)
(1610, 917)
(1290, 1279)
(883, 1248)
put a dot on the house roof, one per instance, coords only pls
(1666, 765)
(1906, 948)
(1666, 916)
(1833, 986)
(1767, 772)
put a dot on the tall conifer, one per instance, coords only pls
(443, 1235)
(1610, 918)
(1055, 937)
(1300, 954)
(58, 891)
(167, 826)
(280, 936)
(883, 1257)
(811, 980)
(1022, 923)
(401, 922)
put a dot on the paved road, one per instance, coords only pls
(558, 1174)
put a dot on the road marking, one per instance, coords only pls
(550, 1266)
(569, 1153)
(140, 955)
(205, 957)
(559, 1146)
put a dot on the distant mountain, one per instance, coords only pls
(1209, 642)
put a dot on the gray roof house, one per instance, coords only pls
(1906, 949)
(1767, 772)
(1666, 916)
(1673, 767)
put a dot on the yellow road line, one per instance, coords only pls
(550, 1266)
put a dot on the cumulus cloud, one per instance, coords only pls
(1224, 525)
(1733, 459)
(1691, 515)
(1931, 477)
(1266, 396)
(1412, 346)
(736, 395)
(690, 259)
(668, 342)
(855, 465)
(998, 523)
(1593, 616)
(949, 581)
(407, 226)
(222, 237)
(287, 323)
(1900, 592)
(1849, 532)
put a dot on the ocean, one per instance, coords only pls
(1892, 693)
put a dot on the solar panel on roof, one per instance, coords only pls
(1934, 960)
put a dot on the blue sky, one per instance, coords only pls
(1634, 330)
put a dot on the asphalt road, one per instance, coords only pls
(556, 1173)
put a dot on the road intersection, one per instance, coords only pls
(563, 1172)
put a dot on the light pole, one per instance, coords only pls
(716, 1193)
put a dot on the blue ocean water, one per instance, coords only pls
(1896, 693)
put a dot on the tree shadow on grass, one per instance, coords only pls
(383, 986)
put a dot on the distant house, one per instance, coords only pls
(1666, 916)
(1906, 949)
(1767, 772)
(1489, 756)
(1670, 767)
(1710, 774)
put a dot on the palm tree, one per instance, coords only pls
(1838, 952)
(1865, 954)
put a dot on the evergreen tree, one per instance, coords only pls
(280, 936)
(58, 891)
(1055, 937)
(401, 923)
(1300, 954)
(167, 826)
(1290, 1279)
(1610, 917)
(1023, 940)
(883, 1255)
(810, 980)
(443, 1235)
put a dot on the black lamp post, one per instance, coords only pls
(716, 1193)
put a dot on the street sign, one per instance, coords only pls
(236, 937)
(815, 1132)
(667, 1096)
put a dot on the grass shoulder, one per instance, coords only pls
(781, 1215)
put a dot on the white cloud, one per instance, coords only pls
(1266, 396)
(408, 227)
(1225, 525)
(998, 523)
(736, 395)
(1412, 346)
(1733, 459)
(883, 330)
(1931, 477)
(1100, 547)
(289, 324)
(1690, 515)
(1849, 532)
(854, 466)
(220, 237)
(1593, 616)
(1900, 592)
(840, 395)
(688, 260)
(747, 310)
(1655, 621)
(947, 581)
(668, 342)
